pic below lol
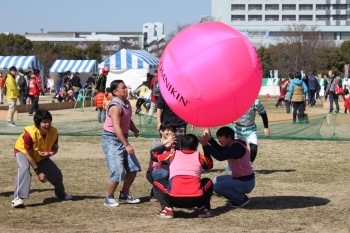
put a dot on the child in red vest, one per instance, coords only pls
(346, 101)
(185, 188)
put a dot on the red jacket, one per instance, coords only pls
(99, 99)
(154, 98)
(34, 85)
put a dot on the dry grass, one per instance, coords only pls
(301, 186)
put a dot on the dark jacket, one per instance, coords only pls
(168, 114)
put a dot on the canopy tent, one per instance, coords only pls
(83, 67)
(20, 62)
(80, 66)
(131, 66)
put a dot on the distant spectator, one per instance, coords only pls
(2, 88)
(102, 79)
(22, 84)
(154, 99)
(101, 113)
(296, 93)
(12, 94)
(313, 86)
(335, 79)
(34, 90)
(92, 79)
(76, 84)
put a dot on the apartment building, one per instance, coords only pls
(262, 21)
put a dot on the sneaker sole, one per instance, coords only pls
(205, 216)
(128, 202)
(160, 216)
(18, 206)
(109, 205)
(246, 203)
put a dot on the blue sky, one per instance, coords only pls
(20, 16)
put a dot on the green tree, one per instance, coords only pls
(264, 55)
(15, 45)
(297, 49)
(93, 52)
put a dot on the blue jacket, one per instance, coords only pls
(296, 82)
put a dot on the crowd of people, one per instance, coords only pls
(298, 90)
(175, 165)
(21, 85)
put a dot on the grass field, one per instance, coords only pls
(301, 186)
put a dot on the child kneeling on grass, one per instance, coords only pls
(185, 188)
(157, 170)
(234, 187)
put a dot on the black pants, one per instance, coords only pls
(311, 97)
(22, 96)
(298, 107)
(35, 103)
(286, 103)
(139, 103)
(165, 200)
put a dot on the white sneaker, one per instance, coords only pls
(66, 197)
(111, 202)
(17, 202)
(11, 124)
(128, 198)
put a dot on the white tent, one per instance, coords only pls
(83, 67)
(21, 62)
(131, 66)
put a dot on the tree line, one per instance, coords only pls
(299, 47)
(46, 52)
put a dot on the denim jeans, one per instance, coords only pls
(333, 98)
(232, 189)
(101, 115)
(117, 158)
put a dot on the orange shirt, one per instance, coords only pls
(2, 81)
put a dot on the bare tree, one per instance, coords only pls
(298, 49)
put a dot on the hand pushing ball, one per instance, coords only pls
(209, 74)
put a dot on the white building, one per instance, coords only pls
(153, 37)
(262, 20)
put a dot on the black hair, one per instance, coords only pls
(291, 75)
(346, 92)
(36, 71)
(335, 73)
(108, 89)
(40, 115)
(115, 84)
(189, 142)
(298, 75)
(167, 125)
(314, 71)
(226, 131)
(12, 68)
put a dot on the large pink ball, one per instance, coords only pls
(209, 74)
